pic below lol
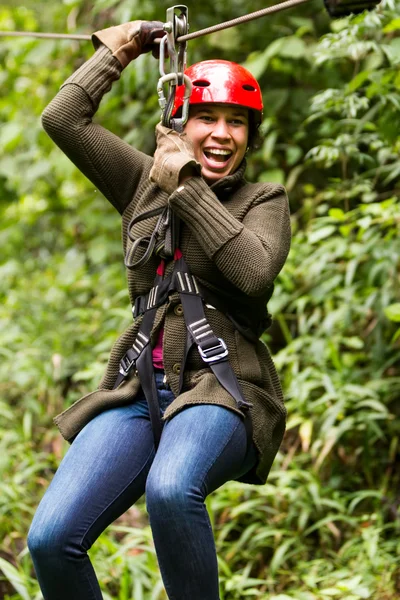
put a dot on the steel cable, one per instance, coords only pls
(239, 20)
(34, 34)
(183, 38)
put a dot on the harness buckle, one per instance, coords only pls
(126, 365)
(136, 307)
(215, 353)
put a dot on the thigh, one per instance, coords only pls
(101, 476)
(201, 448)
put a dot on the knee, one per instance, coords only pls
(166, 497)
(39, 543)
(46, 542)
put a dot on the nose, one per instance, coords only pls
(221, 129)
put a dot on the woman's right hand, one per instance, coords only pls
(129, 40)
(174, 161)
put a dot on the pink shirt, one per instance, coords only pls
(157, 351)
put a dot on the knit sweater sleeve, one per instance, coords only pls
(250, 253)
(111, 164)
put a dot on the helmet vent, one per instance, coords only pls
(201, 83)
(249, 88)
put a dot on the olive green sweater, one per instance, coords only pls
(235, 238)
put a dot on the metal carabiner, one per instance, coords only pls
(167, 105)
(170, 78)
(176, 26)
(185, 108)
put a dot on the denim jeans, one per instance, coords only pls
(109, 466)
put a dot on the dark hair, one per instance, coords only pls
(255, 137)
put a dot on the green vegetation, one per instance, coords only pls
(326, 525)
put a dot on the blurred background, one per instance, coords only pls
(326, 524)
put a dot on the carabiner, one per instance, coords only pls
(176, 26)
(167, 105)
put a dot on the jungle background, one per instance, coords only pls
(326, 524)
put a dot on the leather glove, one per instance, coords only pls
(173, 155)
(129, 40)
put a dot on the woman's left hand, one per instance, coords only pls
(174, 160)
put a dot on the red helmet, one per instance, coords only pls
(222, 82)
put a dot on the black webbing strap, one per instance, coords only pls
(145, 369)
(140, 357)
(212, 349)
(156, 297)
(148, 241)
(161, 242)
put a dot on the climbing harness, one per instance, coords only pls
(212, 349)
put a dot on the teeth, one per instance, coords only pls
(218, 151)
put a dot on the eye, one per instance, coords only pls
(206, 118)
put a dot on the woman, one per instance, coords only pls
(234, 239)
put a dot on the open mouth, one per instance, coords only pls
(217, 155)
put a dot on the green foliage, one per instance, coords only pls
(326, 525)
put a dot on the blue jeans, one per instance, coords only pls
(109, 466)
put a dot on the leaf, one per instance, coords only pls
(392, 51)
(257, 63)
(353, 342)
(280, 555)
(305, 432)
(363, 495)
(293, 155)
(227, 39)
(393, 312)
(293, 47)
(358, 81)
(321, 234)
(15, 578)
(10, 135)
(273, 176)
(293, 176)
(393, 25)
(337, 213)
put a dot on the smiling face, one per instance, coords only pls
(219, 134)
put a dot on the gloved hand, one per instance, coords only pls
(129, 40)
(173, 157)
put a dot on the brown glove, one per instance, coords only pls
(129, 40)
(174, 154)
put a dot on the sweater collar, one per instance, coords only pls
(230, 182)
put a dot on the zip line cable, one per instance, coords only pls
(335, 8)
(190, 36)
(239, 20)
(34, 34)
